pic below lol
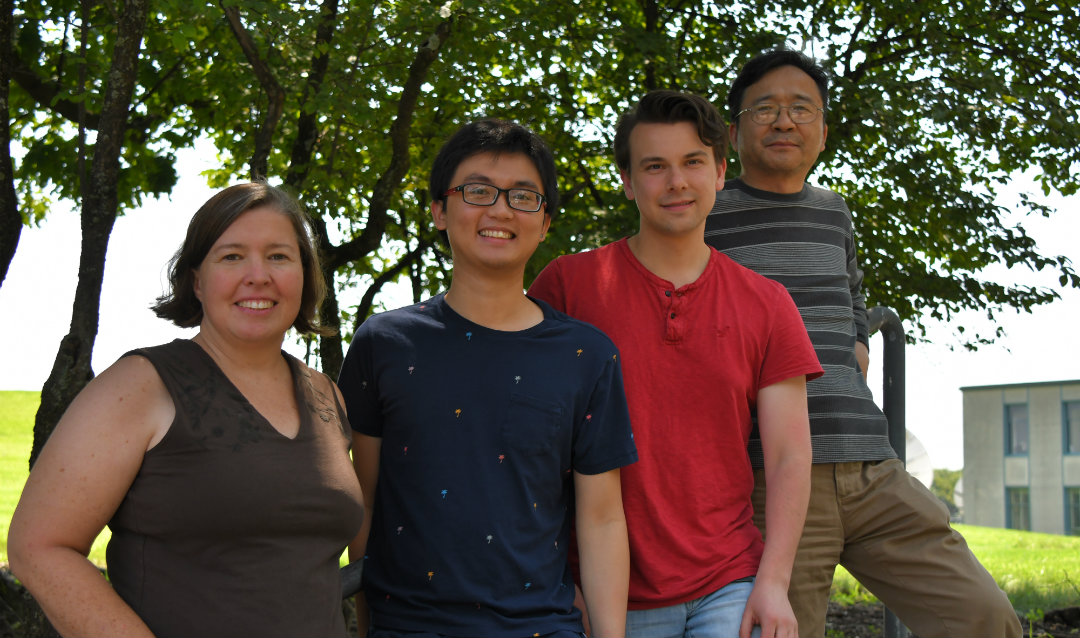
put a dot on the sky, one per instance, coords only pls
(37, 295)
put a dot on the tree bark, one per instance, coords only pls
(10, 220)
(71, 370)
(275, 95)
(330, 348)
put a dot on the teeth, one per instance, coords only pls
(500, 234)
(260, 304)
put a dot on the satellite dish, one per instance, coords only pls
(918, 461)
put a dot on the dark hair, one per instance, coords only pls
(182, 307)
(495, 136)
(753, 70)
(671, 107)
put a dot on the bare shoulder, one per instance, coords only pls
(129, 397)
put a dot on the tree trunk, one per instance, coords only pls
(10, 221)
(71, 370)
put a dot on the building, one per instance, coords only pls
(1022, 456)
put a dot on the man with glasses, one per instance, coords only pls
(866, 513)
(485, 423)
(704, 341)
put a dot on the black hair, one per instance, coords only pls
(758, 66)
(495, 136)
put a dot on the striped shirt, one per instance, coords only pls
(805, 241)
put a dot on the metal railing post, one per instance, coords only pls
(893, 405)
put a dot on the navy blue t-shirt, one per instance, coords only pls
(481, 432)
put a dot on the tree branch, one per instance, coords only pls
(382, 194)
(275, 95)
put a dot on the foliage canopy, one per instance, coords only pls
(935, 106)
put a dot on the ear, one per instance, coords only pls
(824, 134)
(733, 134)
(627, 187)
(544, 228)
(721, 171)
(438, 214)
(196, 285)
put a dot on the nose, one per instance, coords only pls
(783, 120)
(676, 179)
(501, 207)
(258, 272)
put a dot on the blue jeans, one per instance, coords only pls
(715, 615)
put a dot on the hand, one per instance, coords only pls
(768, 607)
(579, 602)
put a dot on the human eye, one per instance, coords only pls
(766, 109)
(800, 110)
(522, 196)
(480, 190)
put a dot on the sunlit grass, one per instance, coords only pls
(17, 410)
(1036, 571)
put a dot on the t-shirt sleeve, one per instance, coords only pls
(603, 439)
(548, 286)
(789, 352)
(358, 385)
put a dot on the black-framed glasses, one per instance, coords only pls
(479, 194)
(767, 113)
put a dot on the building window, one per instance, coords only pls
(1072, 427)
(1016, 429)
(1018, 512)
(1072, 511)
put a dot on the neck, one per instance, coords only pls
(498, 305)
(679, 259)
(255, 358)
(774, 182)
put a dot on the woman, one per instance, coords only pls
(220, 463)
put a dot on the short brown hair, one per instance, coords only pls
(671, 107)
(182, 307)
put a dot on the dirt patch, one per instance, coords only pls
(866, 620)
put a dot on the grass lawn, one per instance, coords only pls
(17, 410)
(1037, 571)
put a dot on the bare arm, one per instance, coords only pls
(365, 450)
(604, 551)
(862, 355)
(78, 482)
(785, 437)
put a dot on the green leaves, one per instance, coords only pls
(935, 106)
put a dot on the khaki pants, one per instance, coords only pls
(893, 535)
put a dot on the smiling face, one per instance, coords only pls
(673, 177)
(778, 156)
(250, 283)
(497, 238)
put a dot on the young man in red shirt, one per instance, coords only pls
(707, 346)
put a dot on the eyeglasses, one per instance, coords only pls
(478, 194)
(766, 113)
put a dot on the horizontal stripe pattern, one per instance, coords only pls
(805, 241)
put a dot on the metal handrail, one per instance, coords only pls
(893, 405)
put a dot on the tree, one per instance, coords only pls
(944, 487)
(95, 96)
(10, 220)
(345, 103)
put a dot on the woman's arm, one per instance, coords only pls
(75, 487)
